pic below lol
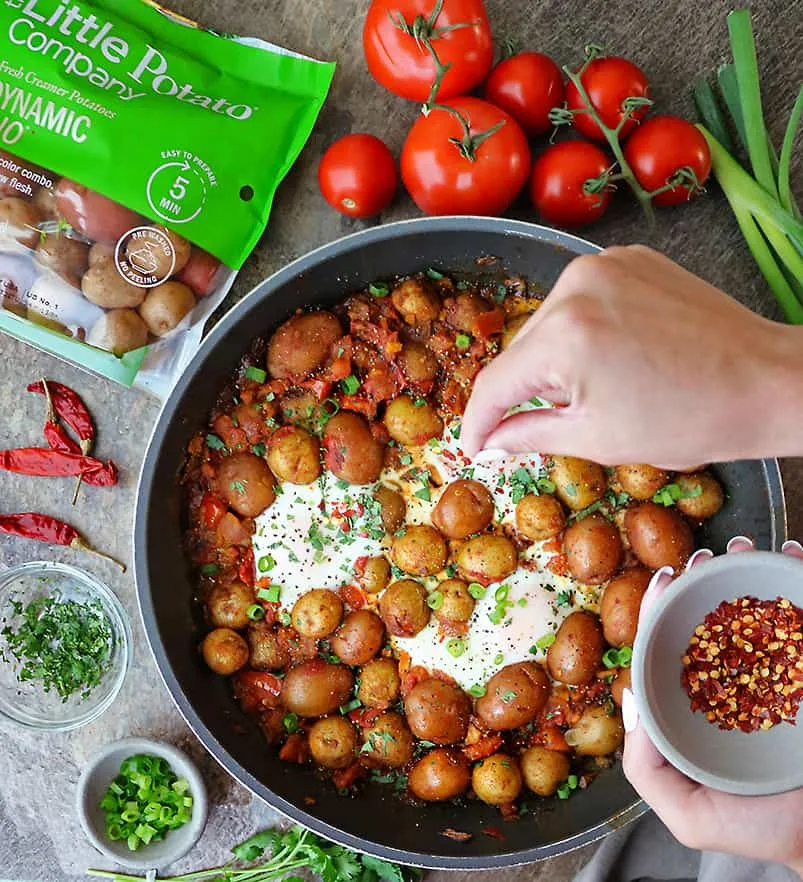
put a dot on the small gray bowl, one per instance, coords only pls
(755, 764)
(101, 771)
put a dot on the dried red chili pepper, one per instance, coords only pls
(71, 408)
(43, 463)
(54, 432)
(43, 528)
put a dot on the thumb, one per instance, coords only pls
(549, 429)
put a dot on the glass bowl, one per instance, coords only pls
(26, 702)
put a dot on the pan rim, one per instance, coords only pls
(354, 241)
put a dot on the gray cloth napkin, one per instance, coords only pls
(647, 852)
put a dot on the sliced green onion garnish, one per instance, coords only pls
(434, 274)
(350, 706)
(210, 569)
(499, 658)
(378, 289)
(350, 385)
(255, 612)
(455, 647)
(213, 442)
(266, 563)
(501, 593)
(543, 643)
(435, 600)
(290, 722)
(477, 691)
(256, 374)
(477, 591)
(462, 341)
(271, 594)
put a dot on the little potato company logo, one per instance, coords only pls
(145, 257)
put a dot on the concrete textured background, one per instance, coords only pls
(673, 42)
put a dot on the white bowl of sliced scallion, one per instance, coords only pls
(142, 803)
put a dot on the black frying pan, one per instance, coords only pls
(374, 822)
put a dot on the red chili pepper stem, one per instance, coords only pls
(78, 544)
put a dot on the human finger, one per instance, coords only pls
(739, 544)
(793, 548)
(516, 375)
(659, 582)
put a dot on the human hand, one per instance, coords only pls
(764, 828)
(653, 364)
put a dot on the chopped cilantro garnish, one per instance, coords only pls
(213, 442)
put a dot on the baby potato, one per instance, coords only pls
(118, 331)
(412, 426)
(578, 482)
(465, 507)
(301, 408)
(227, 605)
(438, 711)
(317, 613)
(91, 214)
(200, 273)
(659, 536)
(544, 770)
(375, 575)
(316, 688)
(103, 285)
(417, 363)
(100, 250)
(416, 301)
(380, 683)
(302, 344)
(333, 742)
(488, 558)
(576, 654)
(461, 312)
(388, 742)
(621, 681)
(224, 651)
(539, 517)
(393, 506)
(359, 638)
(457, 605)
(268, 652)
(620, 606)
(702, 496)
(593, 549)
(181, 248)
(246, 483)
(513, 696)
(440, 775)
(67, 258)
(403, 607)
(351, 452)
(641, 481)
(421, 551)
(166, 306)
(19, 221)
(512, 327)
(294, 455)
(497, 779)
(597, 732)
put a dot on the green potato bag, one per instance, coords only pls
(139, 158)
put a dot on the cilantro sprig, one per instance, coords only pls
(291, 852)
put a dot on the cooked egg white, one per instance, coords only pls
(312, 536)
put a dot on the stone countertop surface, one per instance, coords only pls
(673, 42)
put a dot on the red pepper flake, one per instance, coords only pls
(457, 835)
(743, 668)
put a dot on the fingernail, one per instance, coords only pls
(660, 579)
(629, 711)
(792, 545)
(739, 543)
(491, 454)
(699, 556)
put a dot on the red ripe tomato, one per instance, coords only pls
(483, 178)
(558, 184)
(527, 86)
(404, 66)
(661, 151)
(357, 176)
(608, 82)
